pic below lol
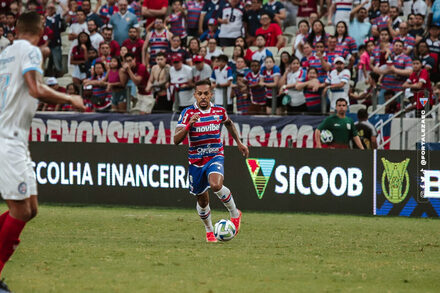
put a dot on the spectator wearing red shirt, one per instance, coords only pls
(272, 31)
(154, 8)
(107, 33)
(138, 73)
(134, 44)
(419, 82)
(307, 7)
(43, 44)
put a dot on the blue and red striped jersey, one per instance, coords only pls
(204, 136)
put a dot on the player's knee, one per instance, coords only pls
(216, 186)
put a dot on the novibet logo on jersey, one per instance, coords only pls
(260, 170)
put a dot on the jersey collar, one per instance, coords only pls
(203, 111)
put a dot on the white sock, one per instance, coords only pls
(205, 216)
(225, 196)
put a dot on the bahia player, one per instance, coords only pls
(202, 121)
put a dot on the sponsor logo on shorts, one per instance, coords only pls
(22, 188)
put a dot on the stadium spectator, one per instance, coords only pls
(301, 37)
(366, 131)
(158, 83)
(43, 44)
(123, 52)
(157, 40)
(177, 20)
(319, 61)
(53, 83)
(231, 23)
(424, 55)
(153, 9)
(262, 52)
(333, 51)
(340, 11)
(116, 80)
(420, 85)
(107, 10)
(57, 25)
(122, 21)
(181, 83)
(241, 94)
(346, 45)
(107, 34)
(4, 42)
(251, 21)
(269, 78)
(364, 62)
(176, 49)
(360, 27)
(294, 99)
(71, 89)
(381, 22)
(10, 23)
(240, 41)
(434, 48)
(241, 67)
(277, 9)
(419, 7)
(134, 44)
(92, 54)
(341, 126)
(221, 79)
(285, 60)
(337, 83)
(194, 9)
(271, 31)
(213, 50)
(317, 34)
(79, 56)
(395, 22)
(312, 88)
(104, 56)
(71, 15)
(238, 52)
(418, 30)
(408, 40)
(397, 72)
(78, 27)
(257, 92)
(211, 9)
(200, 70)
(95, 37)
(87, 8)
(308, 7)
(101, 97)
(194, 47)
(138, 74)
(212, 31)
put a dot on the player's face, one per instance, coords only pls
(341, 107)
(203, 95)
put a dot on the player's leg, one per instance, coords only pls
(204, 211)
(225, 195)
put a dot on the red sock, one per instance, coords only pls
(9, 238)
(2, 218)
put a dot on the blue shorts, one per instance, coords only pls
(198, 176)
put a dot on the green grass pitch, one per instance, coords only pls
(114, 249)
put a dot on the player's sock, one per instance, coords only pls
(205, 216)
(3, 217)
(225, 196)
(9, 238)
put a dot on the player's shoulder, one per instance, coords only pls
(217, 109)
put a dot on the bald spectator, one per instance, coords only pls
(122, 21)
(151, 9)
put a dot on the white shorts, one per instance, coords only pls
(17, 176)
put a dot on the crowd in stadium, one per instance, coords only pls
(151, 53)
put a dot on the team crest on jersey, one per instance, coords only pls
(348, 126)
(35, 57)
(22, 188)
(217, 118)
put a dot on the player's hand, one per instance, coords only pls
(243, 149)
(77, 102)
(194, 119)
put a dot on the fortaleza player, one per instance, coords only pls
(21, 87)
(202, 121)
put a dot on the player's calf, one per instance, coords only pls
(225, 195)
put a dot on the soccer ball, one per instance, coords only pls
(326, 136)
(224, 230)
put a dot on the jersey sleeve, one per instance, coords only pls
(183, 119)
(225, 116)
(31, 60)
(323, 124)
(276, 70)
(424, 76)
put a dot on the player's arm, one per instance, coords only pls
(39, 90)
(234, 133)
(181, 132)
(318, 138)
(358, 142)
(373, 142)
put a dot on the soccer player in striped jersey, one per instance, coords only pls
(202, 123)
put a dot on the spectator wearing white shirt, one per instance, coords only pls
(221, 78)
(338, 83)
(95, 37)
(201, 70)
(231, 23)
(295, 101)
(261, 53)
(181, 83)
(213, 50)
